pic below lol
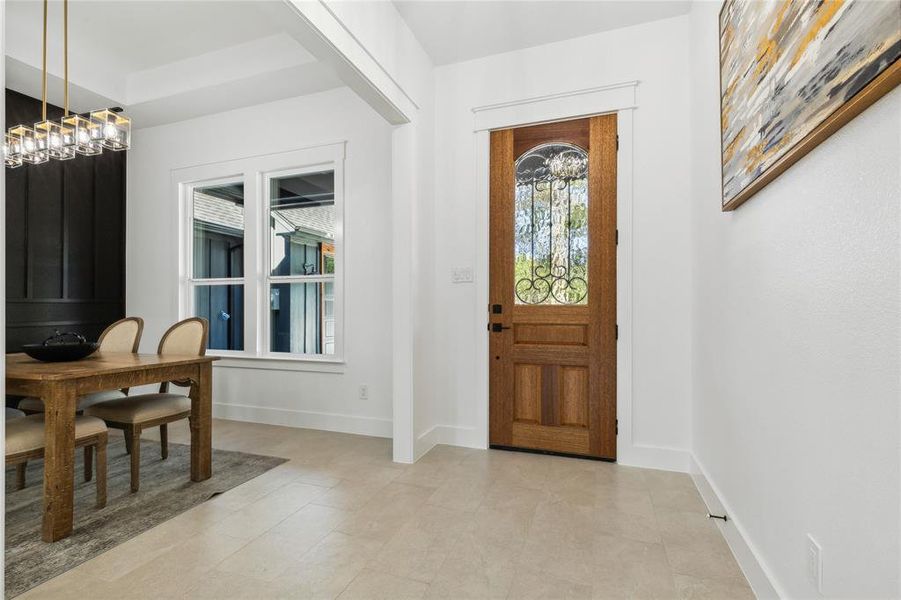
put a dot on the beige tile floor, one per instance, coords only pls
(340, 520)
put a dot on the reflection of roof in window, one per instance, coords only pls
(219, 212)
(317, 220)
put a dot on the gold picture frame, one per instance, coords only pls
(791, 74)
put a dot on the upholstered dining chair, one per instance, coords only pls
(25, 441)
(122, 336)
(134, 414)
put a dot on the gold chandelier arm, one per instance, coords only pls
(44, 69)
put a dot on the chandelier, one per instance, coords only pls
(567, 165)
(87, 134)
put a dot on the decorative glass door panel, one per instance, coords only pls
(551, 228)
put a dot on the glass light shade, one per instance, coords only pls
(59, 139)
(115, 128)
(34, 144)
(12, 151)
(86, 134)
(567, 165)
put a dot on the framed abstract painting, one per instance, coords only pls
(792, 72)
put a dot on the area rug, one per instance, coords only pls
(166, 491)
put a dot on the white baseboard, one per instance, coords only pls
(467, 437)
(648, 457)
(425, 442)
(654, 457)
(450, 435)
(748, 558)
(306, 419)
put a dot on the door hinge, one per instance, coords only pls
(617, 141)
(617, 427)
(617, 331)
(617, 237)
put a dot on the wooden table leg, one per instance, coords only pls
(202, 423)
(59, 460)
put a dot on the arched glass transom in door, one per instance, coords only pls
(551, 225)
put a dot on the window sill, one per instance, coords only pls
(312, 364)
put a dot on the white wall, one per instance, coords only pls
(319, 399)
(797, 317)
(656, 54)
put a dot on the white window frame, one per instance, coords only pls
(191, 283)
(257, 172)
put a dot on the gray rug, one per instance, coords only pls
(166, 491)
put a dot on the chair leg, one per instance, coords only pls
(126, 431)
(135, 458)
(20, 475)
(88, 462)
(101, 472)
(164, 441)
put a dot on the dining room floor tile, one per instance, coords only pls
(340, 519)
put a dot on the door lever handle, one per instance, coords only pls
(497, 327)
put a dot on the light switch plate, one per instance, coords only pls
(461, 275)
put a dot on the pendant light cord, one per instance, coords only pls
(44, 69)
(66, 52)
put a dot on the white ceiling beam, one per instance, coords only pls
(332, 42)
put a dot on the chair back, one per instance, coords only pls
(187, 338)
(122, 336)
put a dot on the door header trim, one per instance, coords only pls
(556, 107)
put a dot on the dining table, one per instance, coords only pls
(60, 384)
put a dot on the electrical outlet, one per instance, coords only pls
(814, 564)
(364, 392)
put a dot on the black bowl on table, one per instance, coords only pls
(62, 347)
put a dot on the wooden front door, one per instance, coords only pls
(552, 311)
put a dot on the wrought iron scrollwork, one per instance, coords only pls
(551, 234)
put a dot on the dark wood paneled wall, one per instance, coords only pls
(65, 240)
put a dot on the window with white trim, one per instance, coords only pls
(262, 253)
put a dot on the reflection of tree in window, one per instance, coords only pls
(551, 225)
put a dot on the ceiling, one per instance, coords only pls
(142, 34)
(457, 30)
(162, 60)
(169, 60)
